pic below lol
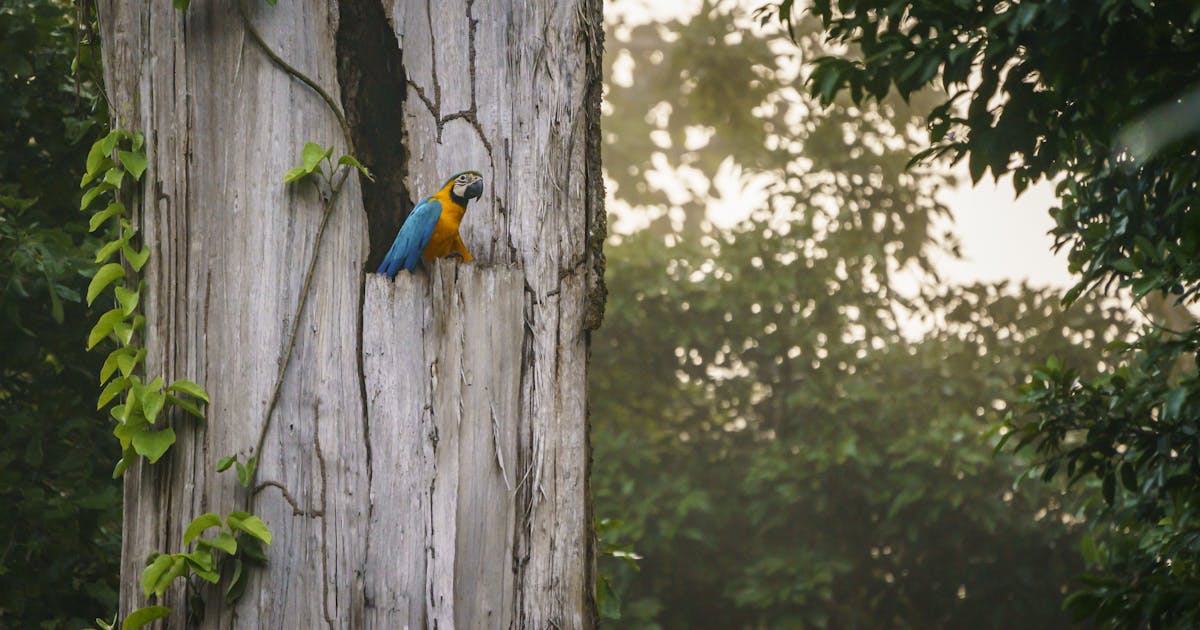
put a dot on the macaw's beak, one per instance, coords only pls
(474, 190)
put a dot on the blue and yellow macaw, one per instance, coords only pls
(431, 229)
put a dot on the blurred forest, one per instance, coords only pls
(60, 522)
(773, 439)
(796, 423)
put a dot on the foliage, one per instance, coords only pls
(60, 525)
(785, 454)
(776, 467)
(238, 543)
(1099, 95)
(145, 400)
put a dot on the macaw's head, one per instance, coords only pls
(466, 185)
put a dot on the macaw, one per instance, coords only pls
(431, 229)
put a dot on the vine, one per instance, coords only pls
(110, 160)
(240, 535)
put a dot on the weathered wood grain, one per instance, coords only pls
(427, 463)
(443, 366)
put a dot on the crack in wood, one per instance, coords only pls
(435, 105)
(325, 577)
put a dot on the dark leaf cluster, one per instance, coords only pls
(1101, 97)
(60, 526)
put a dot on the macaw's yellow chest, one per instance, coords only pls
(446, 239)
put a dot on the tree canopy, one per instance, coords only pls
(1098, 96)
(783, 448)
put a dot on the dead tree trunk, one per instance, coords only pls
(427, 462)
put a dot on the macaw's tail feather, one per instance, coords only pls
(396, 260)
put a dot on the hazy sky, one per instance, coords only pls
(1002, 237)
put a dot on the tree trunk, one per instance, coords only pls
(427, 462)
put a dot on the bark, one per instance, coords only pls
(427, 462)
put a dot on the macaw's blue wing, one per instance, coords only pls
(414, 235)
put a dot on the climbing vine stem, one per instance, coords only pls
(328, 180)
(298, 75)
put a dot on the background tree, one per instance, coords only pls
(795, 448)
(60, 525)
(1102, 97)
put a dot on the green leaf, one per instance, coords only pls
(224, 463)
(91, 175)
(56, 305)
(115, 208)
(152, 403)
(104, 277)
(348, 160)
(1129, 477)
(97, 161)
(1125, 265)
(124, 433)
(124, 331)
(110, 391)
(91, 194)
(1174, 402)
(109, 248)
(246, 522)
(201, 559)
(251, 549)
(209, 575)
(153, 444)
(134, 162)
(178, 568)
(119, 469)
(129, 361)
(199, 524)
(120, 413)
(190, 388)
(103, 326)
(237, 583)
(147, 614)
(113, 362)
(154, 572)
(109, 142)
(128, 299)
(186, 405)
(294, 174)
(312, 155)
(114, 176)
(224, 541)
(136, 259)
(246, 473)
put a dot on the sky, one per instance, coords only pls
(1004, 236)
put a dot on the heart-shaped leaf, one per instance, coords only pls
(153, 444)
